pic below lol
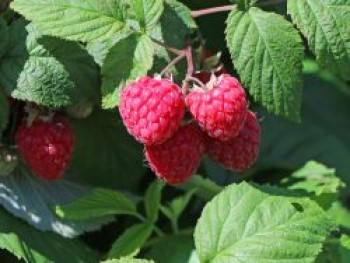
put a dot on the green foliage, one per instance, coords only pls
(136, 53)
(152, 200)
(119, 159)
(325, 24)
(318, 137)
(205, 188)
(317, 179)
(172, 249)
(176, 207)
(82, 20)
(37, 69)
(299, 225)
(32, 199)
(100, 202)
(35, 246)
(267, 53)
(147, 12)
(78, 55)
(131, 240)
(340, 214)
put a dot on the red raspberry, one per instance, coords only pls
(46, 146)
(221, 111)
(179, 157)
(152, 109)
(241, 152)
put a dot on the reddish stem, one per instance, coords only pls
(189, 57)
(173, 63)
(171, 49)
(212, 10)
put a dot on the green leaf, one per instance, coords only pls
(132, 239)
(32, 199)
(4, 110)
(266, 228)
(345, 241)
(325, 24)
(37, 69)
(148, 12)
(172, 249)
(267, 52)
(316, 178)
(152, 200)
(175, 25)
(79, 20)
(205, 188)
(317, 181)
(178, 205)
(136, 53)
(32, 245)
(100, 202)
(128, 260)
(119, 162)
(340, 214)
(318, 137)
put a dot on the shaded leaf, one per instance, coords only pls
(33, 199)
(32, 245)
(118, 163)
(132, 239)
(127, 60)
(152, 200)
(100, 202)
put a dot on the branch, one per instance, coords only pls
(212, 10)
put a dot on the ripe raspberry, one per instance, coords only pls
(241, 152)
(152, 109)
(179, 157)
(221, 111)
(46, 146)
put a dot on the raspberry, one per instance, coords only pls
(179, 157)
(152, 109)
(221, 111)
(241, 152)
(46, 146)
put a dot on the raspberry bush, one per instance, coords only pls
(174, 131)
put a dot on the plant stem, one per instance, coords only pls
(212, 10)
(175, 226)
(189, 57)
(159, 232)
(173, 63)
(171, 49)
